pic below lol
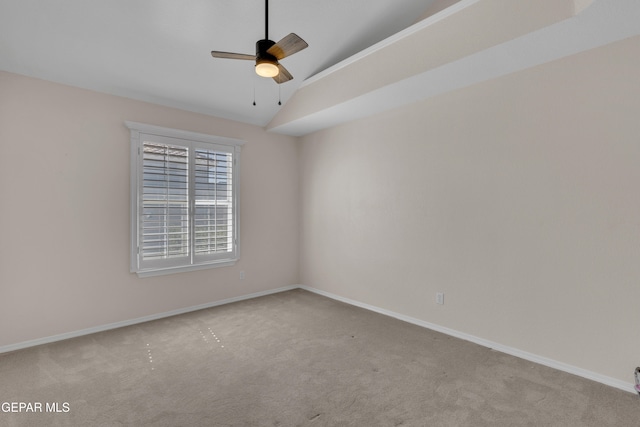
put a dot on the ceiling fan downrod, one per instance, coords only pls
(266, 19)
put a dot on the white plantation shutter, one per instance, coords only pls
(213, 219)
(164, 223)
(184, 200)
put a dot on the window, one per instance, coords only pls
(184, 200)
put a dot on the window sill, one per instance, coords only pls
(183, 269)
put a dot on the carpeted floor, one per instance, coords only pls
(293, 359)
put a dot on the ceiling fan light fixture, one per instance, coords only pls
(266, 68)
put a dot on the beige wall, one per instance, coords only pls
(64, 212)
(518, 198)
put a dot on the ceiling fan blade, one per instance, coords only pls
(287, 46)
(283, 75)
(231, 55)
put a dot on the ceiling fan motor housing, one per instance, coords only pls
(262, 46)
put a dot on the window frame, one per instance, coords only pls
(139, 133)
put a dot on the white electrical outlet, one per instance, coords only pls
(439, 298)
(242, 275)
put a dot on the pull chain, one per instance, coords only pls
(254, 92)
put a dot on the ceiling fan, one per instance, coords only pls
(268, 53)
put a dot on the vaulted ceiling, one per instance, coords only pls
(364, 56)
(159, 50)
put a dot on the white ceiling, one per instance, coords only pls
(159, 50)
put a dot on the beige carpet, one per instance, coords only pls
(294, 359)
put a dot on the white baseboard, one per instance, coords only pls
(603, 379)
(74, 334)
